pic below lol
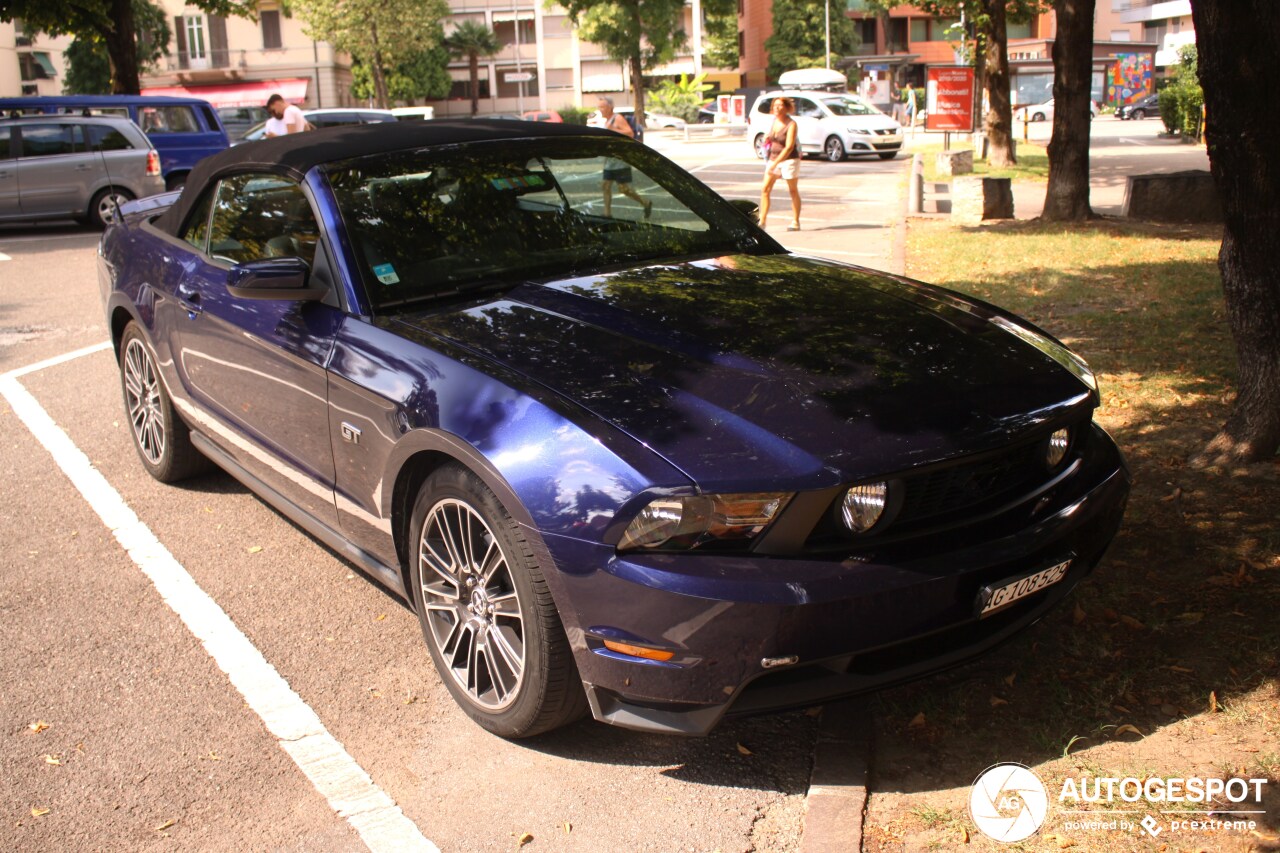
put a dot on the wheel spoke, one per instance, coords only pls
(506, 605)
(493, 560)
(512, 657)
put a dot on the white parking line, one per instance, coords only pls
(335, 774)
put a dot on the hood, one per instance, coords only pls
(873, 122)
(796, 372)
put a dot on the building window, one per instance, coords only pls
(509, 81)
(1018, 31)
(897, 36)
(1120, 35)
(270, 21)
(461, 90)
(919, 30)
(559, 79)
(506, 32)
(36, 66)
(194, 27)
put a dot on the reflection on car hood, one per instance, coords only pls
(743, 370)
(875, 122)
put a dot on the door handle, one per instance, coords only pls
(83, 167)
(189, 299)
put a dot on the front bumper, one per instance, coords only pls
(852, 626)
(873, 142)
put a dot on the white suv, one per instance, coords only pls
(833, 124)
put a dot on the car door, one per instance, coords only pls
(9, 206)
(55, 172)
(255, 369)
(811, 131)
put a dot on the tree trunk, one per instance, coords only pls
(1236, 42)
(1067, 198)
(379, 77)
(1000, 117)
(637, 68)
(473, 64)
(122, 48)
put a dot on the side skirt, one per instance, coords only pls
(381, 572)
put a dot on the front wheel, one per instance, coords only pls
(1139, 114)
(1038, 117)
(888, 155)
(489, 621)
(833, 149)
(162, 440)
(105, 203)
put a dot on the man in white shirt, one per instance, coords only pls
(285, 117)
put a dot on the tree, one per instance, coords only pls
(472, 40)
(682, 99)
(1238, 62)
(112, 22)
(1067, 196)
(799, 35)
(423, 75)
(89, 65)
(379, 34)
(720, 33)
(640, 34)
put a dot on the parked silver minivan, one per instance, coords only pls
(73, 167)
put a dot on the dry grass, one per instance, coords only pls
(1033, 162)
(1175, 634)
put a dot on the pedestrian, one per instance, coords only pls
(615, 170)
(782, 159)
(285, 117)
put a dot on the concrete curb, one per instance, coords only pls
(837, 798)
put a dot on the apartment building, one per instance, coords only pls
(31, 63)
(233, 62)
(1166, 23)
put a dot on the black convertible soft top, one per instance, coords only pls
(296, 154)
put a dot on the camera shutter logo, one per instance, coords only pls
(1008, 802)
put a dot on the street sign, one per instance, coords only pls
(518, 76)
(950, 99)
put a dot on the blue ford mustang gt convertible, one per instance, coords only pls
(620, 452)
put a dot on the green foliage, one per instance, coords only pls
(1182, 99)
(648, 30)
(720, 33)
(472, 39)
(574, 115)
(391, 30)
(799, 36)
(423, 75)
(681, 99)
(89, 66)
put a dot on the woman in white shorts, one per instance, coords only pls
(782, 160)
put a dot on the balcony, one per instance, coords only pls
(1157, 12)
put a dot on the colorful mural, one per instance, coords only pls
(1129, 78)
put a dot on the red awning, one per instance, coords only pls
(252, 93)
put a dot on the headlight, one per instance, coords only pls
(687, 522)
(1076, 365)
(1056, 449)
(863, 506)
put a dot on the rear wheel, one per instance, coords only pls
(833, 149)
(1139, 114)
(489, 621)
(175, 181)
(162, 440)
(103, 206)
(758, 145)
(1038, 117)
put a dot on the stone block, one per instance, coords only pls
(1176, 197)
(955, 162)
(976, 199)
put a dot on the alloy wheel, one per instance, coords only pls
(142, 397)
(472, 608)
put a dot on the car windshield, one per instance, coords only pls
(846, 106)
(435, 222)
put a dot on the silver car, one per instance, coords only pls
(73, 167)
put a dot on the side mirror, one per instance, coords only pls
(749, 208)
(273, 278)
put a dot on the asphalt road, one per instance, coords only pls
(150, 745)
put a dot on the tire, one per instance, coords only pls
(833, 149)
(1139, 114)
(103, 204)
(162, 440)
(888, 155)
(1038, 117)
(758, 145)
(175, 181)
(477, 588)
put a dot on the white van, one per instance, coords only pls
(832, 124)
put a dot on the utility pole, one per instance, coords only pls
(828, 35)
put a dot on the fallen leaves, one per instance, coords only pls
(380, 617)
(254, 549)
(917, 722)
(523, 839)
(742, 750)
(996, 701)
(568, 827)
(168, 823)
(964, 835)
(36, 811)
(1133, 623)
(55, 760)
(38, 726)
(1213, 702)
(1128, 728)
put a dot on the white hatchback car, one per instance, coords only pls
(832, 124)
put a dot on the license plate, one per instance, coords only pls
(993, 598)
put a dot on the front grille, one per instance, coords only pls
(960, 487)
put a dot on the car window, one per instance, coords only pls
(258, 216)
(197, 231)
(848, 107)
(210, 120)
(334, 119)
(808, 109)
(427, 223)
(168, 120)
(103, 138)
(4, 143)
(116, 112)
(50, 140)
